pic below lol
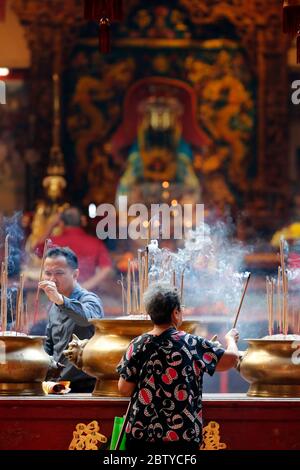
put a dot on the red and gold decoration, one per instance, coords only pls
(87, 437)
(104, 12)
(212, 438)
(291, 21)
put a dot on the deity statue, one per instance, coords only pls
(161, 138)
(160, 159)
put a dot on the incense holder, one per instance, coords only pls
(100, 355)
(23, 365)
(272, 367)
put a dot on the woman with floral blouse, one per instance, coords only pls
(163, 371)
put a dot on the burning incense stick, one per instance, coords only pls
(147, 268)
(3, 297)
(270, 293)
(279, 310)
(4, 283)
(25, 324)
(285, 320)
(128, 289)
(143, 285)
(181, 286)
(20, 305)
(121, 282)
(174, 278)
(36, 304)
(149, 232)
(272, 307)
(140, 281)
(241, 302)
(134, 289)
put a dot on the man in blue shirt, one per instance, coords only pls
(70, 313)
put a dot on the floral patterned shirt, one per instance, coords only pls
(168, 370)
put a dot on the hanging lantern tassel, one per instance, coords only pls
(298, 47)
(104, 35)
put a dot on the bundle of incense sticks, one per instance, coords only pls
(21, 320)
(138, 282)
(280, 285)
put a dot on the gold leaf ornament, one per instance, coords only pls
(87, 437)
(211, 437)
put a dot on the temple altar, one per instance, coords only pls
(48, 423)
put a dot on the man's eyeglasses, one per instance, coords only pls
(54, 273)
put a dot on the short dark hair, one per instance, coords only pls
(160, 300)
(66, 252)
(71, 217)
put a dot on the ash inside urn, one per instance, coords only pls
(281, 337)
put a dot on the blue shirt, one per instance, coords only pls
(72, 317)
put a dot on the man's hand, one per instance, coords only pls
(54, 370)
(232, 335)
(50, 289)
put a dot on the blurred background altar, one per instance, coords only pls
(191, 105)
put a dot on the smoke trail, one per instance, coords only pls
(12, 226)
(212, 265)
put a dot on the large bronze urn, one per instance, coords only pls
(272, 367)
(100, 355)
(23, 365)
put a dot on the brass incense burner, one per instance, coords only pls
(272, 367)
(23, 365)
(100, 355)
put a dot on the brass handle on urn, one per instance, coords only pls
(75, 351)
